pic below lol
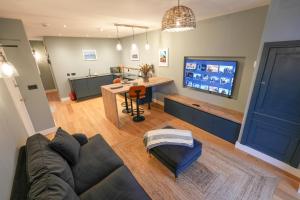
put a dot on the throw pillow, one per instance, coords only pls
(81, 138)
(66, 145)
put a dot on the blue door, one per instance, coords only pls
(273, 120)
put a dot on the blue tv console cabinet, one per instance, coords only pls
(222, 122)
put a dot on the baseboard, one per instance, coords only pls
(64, 99)
(47, 131)
(158, 102)
(269, 159)
(52, 90)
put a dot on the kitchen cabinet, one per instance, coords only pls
(89, 86)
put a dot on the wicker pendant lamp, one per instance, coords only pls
(179, 18)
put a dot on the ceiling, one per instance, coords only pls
(96, 18)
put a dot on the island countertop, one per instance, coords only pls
(121, 88)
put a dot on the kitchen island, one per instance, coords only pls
(109, 93)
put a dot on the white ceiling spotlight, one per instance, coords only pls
(65, 26)
(119, 45)
(99, 28)
(45, 25)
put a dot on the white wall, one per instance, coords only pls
(12, 136)
(66, 57)
(283, 21)
(13, 32)
(236, 36)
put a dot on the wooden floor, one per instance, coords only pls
(88, 117)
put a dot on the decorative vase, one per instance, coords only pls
(145, 79)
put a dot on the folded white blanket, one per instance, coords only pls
(159, 137)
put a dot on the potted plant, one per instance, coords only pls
(146, 69)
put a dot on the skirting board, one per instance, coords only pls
(49, 91)
(158, 102)
(64, 99)
(47, 131)
(269, 159)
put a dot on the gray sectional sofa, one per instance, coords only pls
(99, 174)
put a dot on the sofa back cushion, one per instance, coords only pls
(41, 160)
(97, 160)
(51, 187)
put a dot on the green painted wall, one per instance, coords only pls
(234, 36)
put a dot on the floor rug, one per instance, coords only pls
(219, 176)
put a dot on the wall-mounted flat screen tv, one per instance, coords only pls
(213, 76)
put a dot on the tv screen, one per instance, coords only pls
(213, 76)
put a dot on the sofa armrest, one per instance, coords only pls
(81, 138)
(20, 184)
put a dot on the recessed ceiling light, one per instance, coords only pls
(100, 28)
(65, 26)
(86, 35)
(59, 34)
(45, 25)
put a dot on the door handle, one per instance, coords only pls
(263, 83)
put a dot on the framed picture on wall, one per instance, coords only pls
(89, 54)
(163, 58)
(134, 54)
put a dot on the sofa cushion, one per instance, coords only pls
(120, 184)
(41, 159)
(97, 160)
(51, 187)
(66, 145)
(81, 138)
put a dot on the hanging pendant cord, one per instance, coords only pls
(118, 33)
(132, 33)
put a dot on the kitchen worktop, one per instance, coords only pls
(91, 76)
(125, 76)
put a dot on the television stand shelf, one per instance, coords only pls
(222, 122)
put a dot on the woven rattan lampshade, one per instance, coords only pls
(179, 18)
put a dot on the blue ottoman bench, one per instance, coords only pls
(177, 158)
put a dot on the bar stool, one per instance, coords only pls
(123, 104)
(137, 93)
